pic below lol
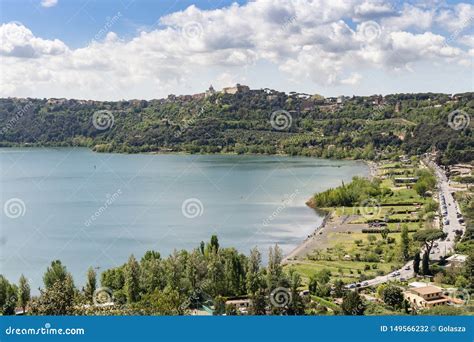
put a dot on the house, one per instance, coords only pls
(456, 260)
(199, 96)
(237, 89)
(426, 296)
(242, 305)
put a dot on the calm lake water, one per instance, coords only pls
(90, 209)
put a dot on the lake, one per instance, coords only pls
(91, 209)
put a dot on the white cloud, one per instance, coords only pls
(353, 79)
(456, 19)
(18, 41)
(410, 17)
(373, 9)
(306, 40)
(49, 3)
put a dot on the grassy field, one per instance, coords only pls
(347, 271)
(353, 256)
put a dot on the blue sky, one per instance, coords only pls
(75, 21)
(148, 49)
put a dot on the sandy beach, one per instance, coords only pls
(331, 223)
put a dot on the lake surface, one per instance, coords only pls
(90, 209)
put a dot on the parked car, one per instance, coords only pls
(365, 283)
(407, 267)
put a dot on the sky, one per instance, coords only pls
(144, 49)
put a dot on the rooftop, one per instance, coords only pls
(457, 258)
(426, 290)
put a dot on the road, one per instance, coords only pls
(444, 247)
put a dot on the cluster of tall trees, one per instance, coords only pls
(206, 276)
(352, 194)
(185, 280)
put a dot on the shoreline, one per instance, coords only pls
(306, 242)
(164, 152)
(311, 239)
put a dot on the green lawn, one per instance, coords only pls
(307, 269)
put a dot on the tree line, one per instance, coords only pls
(241, 123)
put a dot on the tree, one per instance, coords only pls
(421, 187)
(259, 303)
(55, 273)
(405, 243)
(444, 310)
(234, 273)
(393, 296)
(11, 299)
(469, 268)
(132, 283)
(384, 232)
(253, 271)
(4, 285)
(428, 237)
(425, 264)
(214, 243)
(461, 282)
(295, 305)
(338, 289)
(24, 295)
(215, 280)
(56, 300)
(151, 272)
(416, 263)
(318, 283)
(113, 278)
(352, 304)
(274, 268)
(380, 289)
(166, 302)
(313, 285)
(91, 284)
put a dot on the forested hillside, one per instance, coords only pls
(255, 121)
